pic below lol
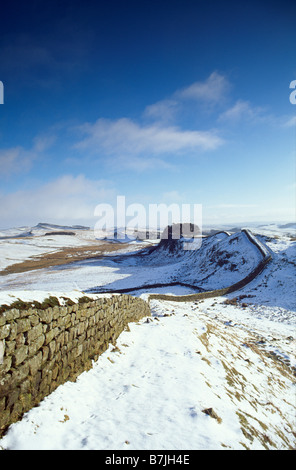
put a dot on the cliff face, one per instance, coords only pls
(180, 230)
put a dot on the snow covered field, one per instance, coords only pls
(209, 374)
(220, 262)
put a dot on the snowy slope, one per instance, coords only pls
(212, 374)
(20, 244)
(220, 261)
(188, 378)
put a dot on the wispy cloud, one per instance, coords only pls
(17, 159)
(159, 137)
(164, 110)
(243, 110)
(212, 90)
(14, 160)
(140, 164)
(126, 138)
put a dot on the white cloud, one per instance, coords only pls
(147, 144)
(67, 198)
(212, 90)
(14, 160)
(43, 142)
(164, 110)
(244, 110)
(140, 164)
(17, 159)
(124, 137)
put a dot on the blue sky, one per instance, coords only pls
(174, 101)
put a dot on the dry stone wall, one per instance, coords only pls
(44, 345)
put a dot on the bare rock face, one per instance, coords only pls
(180, 230)
(174, 235)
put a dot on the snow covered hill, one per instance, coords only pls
(219, 261)
(217, 373)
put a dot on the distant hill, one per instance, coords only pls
(61, 227)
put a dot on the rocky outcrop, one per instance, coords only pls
(265, 259)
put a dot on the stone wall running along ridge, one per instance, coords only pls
(44, 345)
(266, 257)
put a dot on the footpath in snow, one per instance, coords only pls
(190, 377)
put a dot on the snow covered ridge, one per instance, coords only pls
(224, 263)
(266, 258)
(222, 260)
(262, 248)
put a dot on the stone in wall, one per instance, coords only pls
(2, 346)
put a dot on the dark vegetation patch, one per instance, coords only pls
(25, 305)
(59, 233)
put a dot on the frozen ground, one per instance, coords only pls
(213, 374)
(19, 244)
